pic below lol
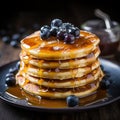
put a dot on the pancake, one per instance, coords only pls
(61, 74)
(56, 93)
(61, 64)
(69, 83)
(58, 50)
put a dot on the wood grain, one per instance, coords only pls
(8, 53)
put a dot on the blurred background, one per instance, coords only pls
(42, 11)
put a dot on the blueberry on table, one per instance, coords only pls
(56, 22)
(16, 36)
(9, 75)
(14, 43)
(10, 81)
(13, 70)
(6, 39)
(72, 100)
(17, 65)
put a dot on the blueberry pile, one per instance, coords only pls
(10, 76)
(63, 31)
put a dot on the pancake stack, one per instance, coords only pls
(53, 69)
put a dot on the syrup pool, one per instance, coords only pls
(16, 92)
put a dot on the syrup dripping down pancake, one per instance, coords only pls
(54, 69)
(61, 64)
(53, 49)
(56, 93)
(68, 83)
(59, 74)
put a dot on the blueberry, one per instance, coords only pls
(9, 75)
(14, 43)
(63, 29)
(16, 36)
(69, 38)
(44, 27)
(67, 25)
(13, 70)
(53, 31)
(6, 39)
(61, 35)
(107, 75)
(75, 31)
(45, 34)
(17, 65)
(106, 81)
(10, 81)
(72, 101)
(56, 22)
(105, 84)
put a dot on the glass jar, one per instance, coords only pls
(109, 38)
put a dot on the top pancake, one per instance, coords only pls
(54, 49)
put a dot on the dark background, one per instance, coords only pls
(42, 11)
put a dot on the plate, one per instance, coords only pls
(113, 91)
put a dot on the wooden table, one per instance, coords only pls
(8, 112)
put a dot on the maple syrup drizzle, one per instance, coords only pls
(34, 42)
(35, 45)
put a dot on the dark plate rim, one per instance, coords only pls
(67, 109)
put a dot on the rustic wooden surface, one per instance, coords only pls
(8, 53)
(8, 112)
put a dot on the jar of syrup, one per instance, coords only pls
(109, 38)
